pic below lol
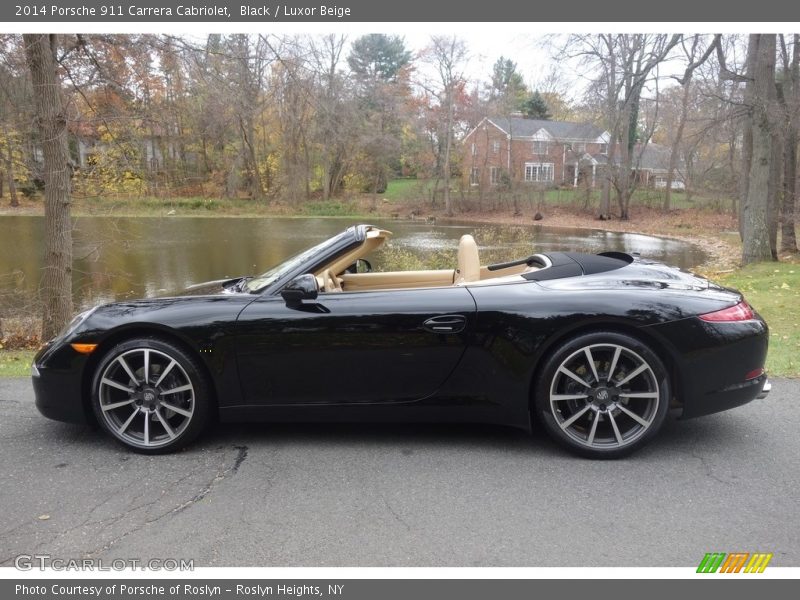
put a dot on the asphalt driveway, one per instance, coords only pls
(367, 495)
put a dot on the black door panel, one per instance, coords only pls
(360, 347)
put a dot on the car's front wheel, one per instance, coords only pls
(150, 395)
(603, 395)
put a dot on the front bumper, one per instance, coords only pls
(56, 377)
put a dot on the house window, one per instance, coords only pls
(538, 172)
(603, 148)
(539, 147)
(474, 176)
(494, 175)
(495, 146)
(579, 147)
(474, 149)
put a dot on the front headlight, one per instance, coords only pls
(34, 370)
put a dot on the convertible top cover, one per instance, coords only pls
(573, 264)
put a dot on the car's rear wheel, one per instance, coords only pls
(150, 395)
(603, 395)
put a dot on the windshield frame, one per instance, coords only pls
(305, 261)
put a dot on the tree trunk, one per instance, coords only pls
(448, 208)
(755, 210)
(676, 143)
(789, 205)
(773, 191)
(747, 129)
(9, 169)
(52, 124)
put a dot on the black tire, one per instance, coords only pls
(160, 415)
(621, 411)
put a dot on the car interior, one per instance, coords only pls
(335, 276)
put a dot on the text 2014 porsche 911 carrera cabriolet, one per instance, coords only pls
(595, 347)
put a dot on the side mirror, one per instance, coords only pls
(303, 287)
(360, 266)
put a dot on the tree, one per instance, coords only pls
(378, 57)
(380, 65)
(756, 210)
(507, 90)
(690, 51)
(624, 63)
(535, 107)
(788, 91)
(447, 55)
(51, 120)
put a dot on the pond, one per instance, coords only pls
(125, 257)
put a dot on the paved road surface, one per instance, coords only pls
(365, 495)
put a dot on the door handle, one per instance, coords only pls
(445, 324)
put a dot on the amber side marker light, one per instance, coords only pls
(738, 312)
(84, 348)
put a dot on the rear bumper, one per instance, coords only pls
(727, 398)
(714, 361)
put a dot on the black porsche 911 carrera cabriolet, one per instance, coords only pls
(597, 348)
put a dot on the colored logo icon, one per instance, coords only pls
(735, 562)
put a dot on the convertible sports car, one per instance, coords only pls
(595, 347)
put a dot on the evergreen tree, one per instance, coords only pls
(535, 107)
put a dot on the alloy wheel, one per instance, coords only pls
(604, 396)
(146, 397)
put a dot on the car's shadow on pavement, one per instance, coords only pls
(713, 433)
(710, 434)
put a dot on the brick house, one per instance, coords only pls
(533, 151)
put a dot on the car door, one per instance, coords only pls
(352, 347)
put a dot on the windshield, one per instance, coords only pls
(256, 284)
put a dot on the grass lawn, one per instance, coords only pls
(16, 363)
(773, 289)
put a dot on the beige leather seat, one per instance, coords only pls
(469, 263)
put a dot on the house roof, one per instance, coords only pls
(519, 127)
(652, 157)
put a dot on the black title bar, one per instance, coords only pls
(380, 11)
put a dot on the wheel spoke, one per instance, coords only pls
(632, 374)
(617, 352)
(638, 394)
(574, 417)
(124, 365)
(114, 384)
(180, 411)
(167, 428)
(106, 407)
(590, 441)
(146, 429)
(590, 360)
(561, 397)
(124, 426)
(164, 373)
(634, 416)
(180, 388)
(146, 366)
(572, 375)
(617, 434)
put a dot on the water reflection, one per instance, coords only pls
(118, 258)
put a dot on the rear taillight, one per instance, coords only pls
(740, 312)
